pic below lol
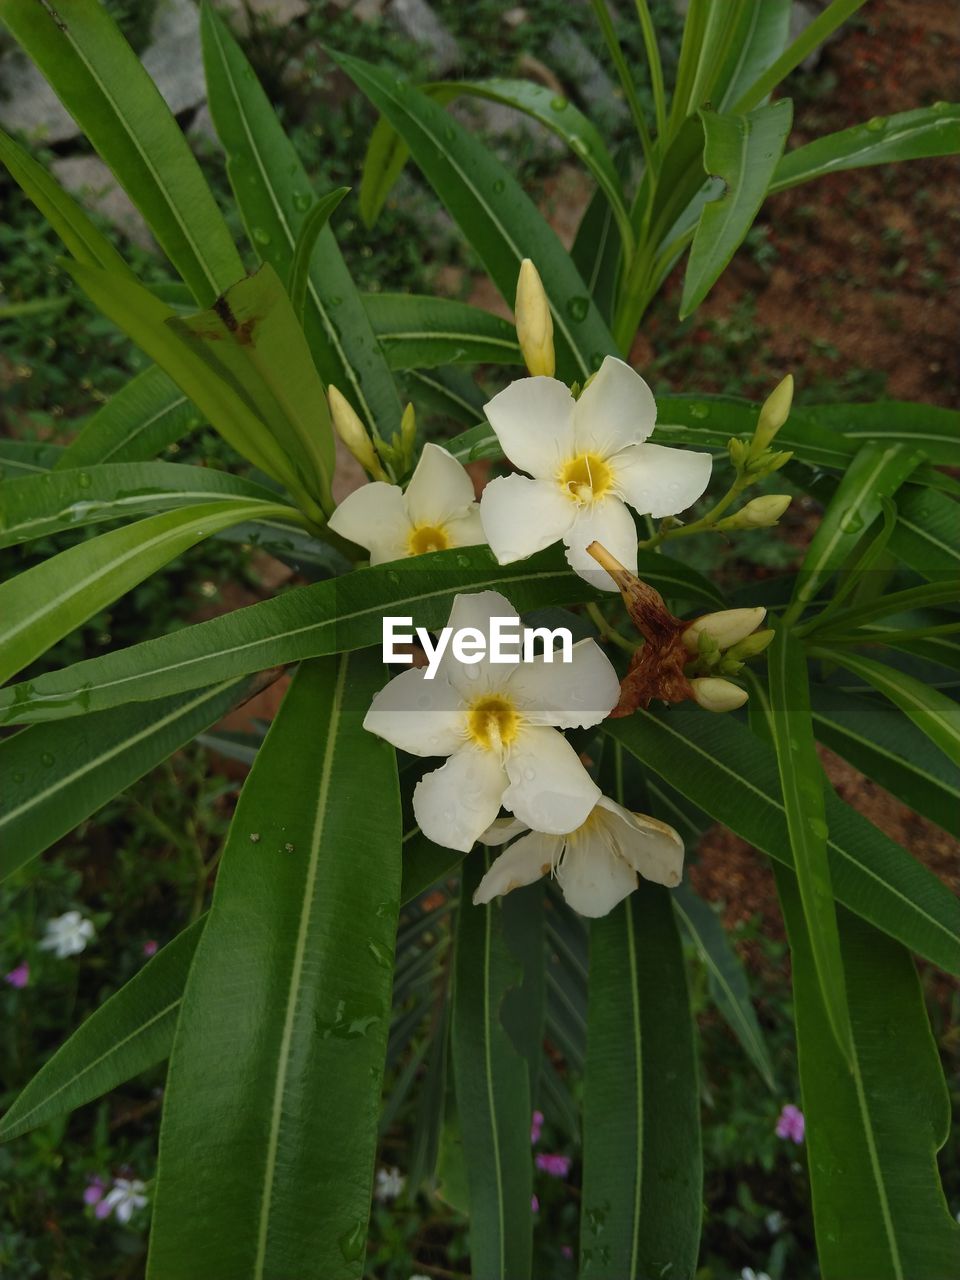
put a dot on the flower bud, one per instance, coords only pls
(534, 322)
(408, 431)
(353, 433)
(737, 451)
(773, 414)
(714, 694)
(751, 645)
(727, 628)
(759, 513)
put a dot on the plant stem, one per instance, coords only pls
(705, 523)
(607, 632)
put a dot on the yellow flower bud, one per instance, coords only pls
(774, 413)
(759, 513)
(715, 694)
(728, 627)
(408, 430)
(534, 322)
(353, 433)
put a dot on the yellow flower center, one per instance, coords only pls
(492, 722)
(585, 477)
(427, 537)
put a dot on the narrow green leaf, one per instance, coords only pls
(275, 194)
(492, 1090)
(523, 1009)
(759, 41)
(728, 772)
(596, 254)
(501, 222)
(743, 151)
(424, 863)
(145, 416)
(878, 1205)
(927, 536)
(802, 782)
(287, 1005)
(56, 775)
(103, 85)
(307, 236)
(417, 331)
(27, 457)
(47, 602)
(929, 427)
(127, 1034)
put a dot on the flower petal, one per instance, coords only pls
(466, 530)
(592, 878)
(659, 481)
(616, 409)
(521, 516)
(523, 863)
(502, 830)
(533, 420)
(568, 694)
(652, 848)
(475, 610)
(549, 790)
(611, 524)
(439, 488)
(455, 804)
(374, 516)
(424, 717)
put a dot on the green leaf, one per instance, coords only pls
(881, 743)
(500, 221)
(27, 457)
(492, 1090)
(127, 1034)
(310, 229)
(801, 782)
(136, 424)
(878, 1205)
(743, 151)
(927, 534)
(275, 194)
(596, 254)
(287, 1005)
(424, 863)
(56, 775)
(523, 1009)
(908, 135)
(326, 617)
(450, 391)
(47, 602)
(931, 711)
(760, 40)
(417, 331)
(38, 505)
(64, 214)
(929, 427)
(727, 771)
(726, 976)
(642, 1165)
(103, 85)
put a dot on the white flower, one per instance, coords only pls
(67, 935)
(498, 724)
(588, 463)
(596, 865)
(125, 1197)
(774, 1222)
(390, 1184)
(748, 1273)
(437, 511)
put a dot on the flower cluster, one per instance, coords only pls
(123, 1199)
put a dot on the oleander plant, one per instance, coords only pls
(423, 826)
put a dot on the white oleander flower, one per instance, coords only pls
(124, 1198)
(589, 464)
(67, 935)
(498, 724)
(596, 866)
(437, 511)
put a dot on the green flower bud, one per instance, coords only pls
(773, 414)
(722, 630)
(752, 645)
(759, 513)
(353, 433)
(534, 322)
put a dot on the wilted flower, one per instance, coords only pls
(588, 463)
(536, 1124)
(791, 1124)
(437, 511)
(67, 935)
(596, 865)
(556, 1166)
(18, 977)
(390, 1184)
(498, 724)
(123, 1199)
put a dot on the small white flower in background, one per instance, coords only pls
(67, 935)
(124, 1198)
(588, 463)
(499, 726)
(437, 511)
(596, 866)
(774, 1222)
(390, 1184)
(748, 1273)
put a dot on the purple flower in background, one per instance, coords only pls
(95, 1190)
(556, 1166)
(566, 1250)
(790, 1124)
(536, 1124)
(534, 1204)
(150, 947)
(18, 977)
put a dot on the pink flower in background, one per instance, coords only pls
(556, 1166)
(95, 1190)
(18, 977)
(150, 947)
(790, 1124)
(534, 1204)
(566, 1250)
(536, 1124)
